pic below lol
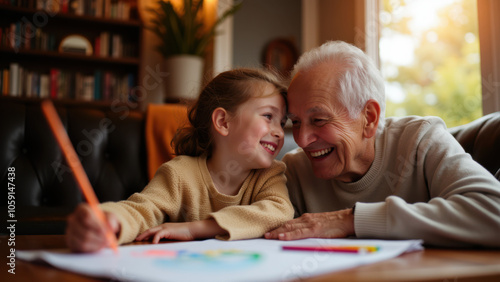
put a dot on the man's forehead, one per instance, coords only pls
(319, 86)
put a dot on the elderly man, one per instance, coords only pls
(360, 174)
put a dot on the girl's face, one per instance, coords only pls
(256, 130)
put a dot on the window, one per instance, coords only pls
(429, 57)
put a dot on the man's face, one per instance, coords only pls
(332, 141)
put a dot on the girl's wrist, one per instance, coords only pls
(207, 228)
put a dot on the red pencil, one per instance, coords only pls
(337, 249)
(74, 162)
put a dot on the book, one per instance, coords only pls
(14, 79)
(54, 82)
(29, 84)
(99, 7)
(78, 86)
(104, 44)
(107, 86)
(6, 80)
(44, 87)
(97, 85)
(88, 88)
(20, 82)
(116, 46)
(97, 46)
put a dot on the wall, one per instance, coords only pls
(152, 67)
(308, 23)
(336, 21)
(260, 21)
(325, 20)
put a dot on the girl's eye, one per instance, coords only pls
(268, 116)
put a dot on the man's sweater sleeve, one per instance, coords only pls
(464, 205)
(147, 209)
(269, 209)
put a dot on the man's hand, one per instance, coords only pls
(85, 233)
(336, 224)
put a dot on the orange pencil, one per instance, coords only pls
(74, 163)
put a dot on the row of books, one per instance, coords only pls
(23, 36)
(62, 84)
(112, 9)
(20, 35)
(112, 45)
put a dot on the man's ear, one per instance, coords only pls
(220, 121)
(371, 116)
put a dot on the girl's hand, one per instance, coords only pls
(169, 230)
(84, 231)
(185, 231)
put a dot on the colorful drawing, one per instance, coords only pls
(210, 260)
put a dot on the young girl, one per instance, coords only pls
(224, 183)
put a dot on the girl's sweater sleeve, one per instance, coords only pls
(149, 208)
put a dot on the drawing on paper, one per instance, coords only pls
(216, 260)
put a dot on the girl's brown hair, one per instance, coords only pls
(227, 90)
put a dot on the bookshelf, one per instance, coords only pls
(34, 65)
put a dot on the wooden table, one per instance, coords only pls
(428, 265)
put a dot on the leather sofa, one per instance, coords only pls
(110, 142)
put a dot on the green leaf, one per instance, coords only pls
(183, 32)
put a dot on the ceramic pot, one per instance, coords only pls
(185, 76)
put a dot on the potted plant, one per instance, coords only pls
(184, 38)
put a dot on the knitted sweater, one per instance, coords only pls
(182, 191)
(421, 185)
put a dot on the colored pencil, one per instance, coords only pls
(336, 249)
(74, 162)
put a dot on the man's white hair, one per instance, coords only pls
(359, 80)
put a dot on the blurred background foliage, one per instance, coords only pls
(444, 78)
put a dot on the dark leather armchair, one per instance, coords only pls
(108, 139)
(481, 139)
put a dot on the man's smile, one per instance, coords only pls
(321, 153)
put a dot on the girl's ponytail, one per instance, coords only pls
(192, 140)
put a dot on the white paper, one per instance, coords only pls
(215, 260)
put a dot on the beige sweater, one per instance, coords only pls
(421, 185)
(182, 191)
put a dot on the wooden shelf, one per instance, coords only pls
(37, 69)
(56, 55)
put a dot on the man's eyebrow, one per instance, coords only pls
(309, 111)
(316, 110)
